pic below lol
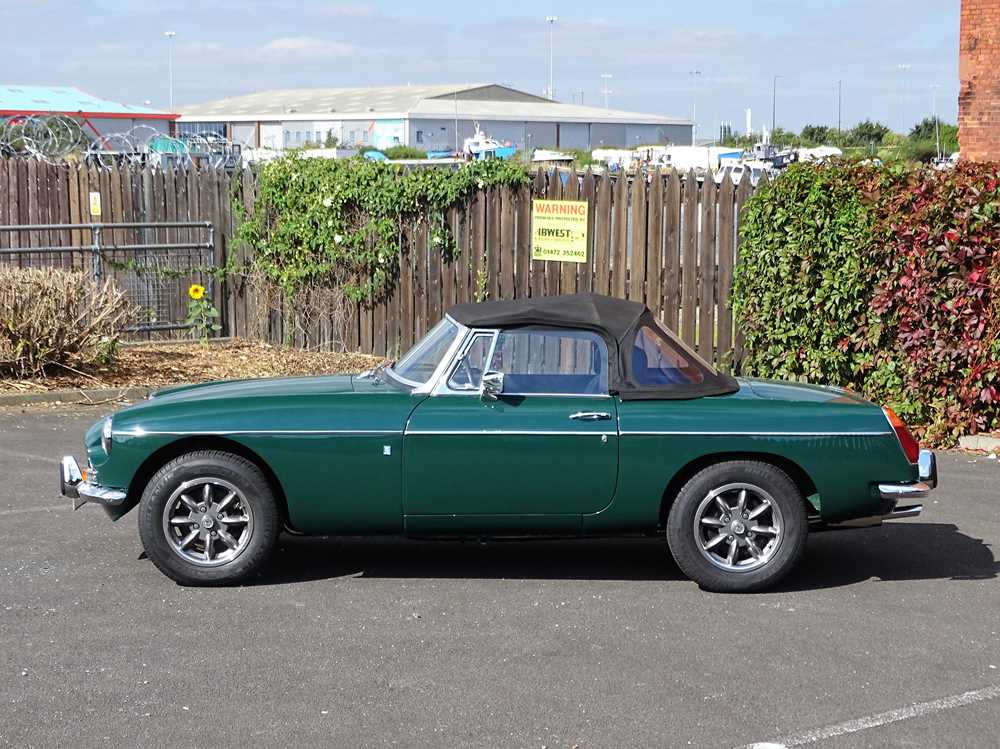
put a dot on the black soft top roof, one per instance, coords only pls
(604, 314)
(617, 320)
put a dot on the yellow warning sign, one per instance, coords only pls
(559, 230)
(95, 204)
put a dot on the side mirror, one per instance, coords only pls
(492, 385)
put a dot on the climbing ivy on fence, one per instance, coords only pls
(339, 222)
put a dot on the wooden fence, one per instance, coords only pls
(669, 242)
(664, 240)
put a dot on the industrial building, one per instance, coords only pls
(96, 116)
(431, 118)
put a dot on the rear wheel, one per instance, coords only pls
(208, 518)
(737, 526)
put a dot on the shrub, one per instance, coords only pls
(880, 280)
(54, 318)
(808, 263)
(404, 152)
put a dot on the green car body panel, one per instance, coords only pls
(354, 455)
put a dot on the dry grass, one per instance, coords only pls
(158, 364)
(55, 319)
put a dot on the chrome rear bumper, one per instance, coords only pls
(926, 472)
(72, 485)
(892, 494)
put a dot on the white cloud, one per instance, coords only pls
(305, 48)
(340, 10)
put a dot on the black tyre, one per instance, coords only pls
(209, 518)
(737, 526)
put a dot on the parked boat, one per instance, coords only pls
(481, 146)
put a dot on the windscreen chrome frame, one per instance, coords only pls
(427, 388)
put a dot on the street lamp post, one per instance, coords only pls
(774, 105)
(903, 68)
(937, 122)
(840, 104)
(695, 77)
(552, 22)
(604, 88)
(170, 65)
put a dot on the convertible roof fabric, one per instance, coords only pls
(617, 320)
(613, 317)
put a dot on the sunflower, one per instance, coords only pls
(197, 291)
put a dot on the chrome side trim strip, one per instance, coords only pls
(505, 432)
(755, 434)
(224, 432)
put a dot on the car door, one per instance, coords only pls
(538, 456)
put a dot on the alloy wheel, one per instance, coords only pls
(207, 522)
(738, 527)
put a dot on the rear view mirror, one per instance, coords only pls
(492, 385)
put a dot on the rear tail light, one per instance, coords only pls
(911, 448)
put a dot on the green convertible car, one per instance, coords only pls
(576, 415)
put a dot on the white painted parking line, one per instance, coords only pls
(24, 510)
(918, 710)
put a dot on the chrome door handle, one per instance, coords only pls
(591, 416)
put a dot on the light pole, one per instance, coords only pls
(605, 77)
(552, 22)
(937, 122)
(903, 68)
(695, 77)
(840, 104)
(774, 105)
(170, 64)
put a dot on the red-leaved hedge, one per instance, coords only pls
(883, 280)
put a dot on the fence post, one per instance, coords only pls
(95, 251)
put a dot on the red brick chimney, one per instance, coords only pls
(979, 73)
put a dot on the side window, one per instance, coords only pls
(467, 374)
(658, 361)
(562, 362)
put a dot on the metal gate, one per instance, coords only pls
(154, 263)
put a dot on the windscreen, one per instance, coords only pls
(421, 361)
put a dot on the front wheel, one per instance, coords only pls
(208, 518)
(737, 526)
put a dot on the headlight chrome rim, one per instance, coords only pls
(106, 435)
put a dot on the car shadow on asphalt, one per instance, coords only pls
(893, 552)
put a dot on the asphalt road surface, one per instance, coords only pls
(883, 637)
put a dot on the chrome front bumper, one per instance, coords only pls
(72, 485)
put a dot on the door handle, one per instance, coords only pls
(591, 416)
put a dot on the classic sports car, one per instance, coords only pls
(577, 415)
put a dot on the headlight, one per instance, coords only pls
(106, 436)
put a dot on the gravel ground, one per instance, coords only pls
(354, 642)
(159, 364)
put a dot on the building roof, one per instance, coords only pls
(546, 111)
(69, 100)
(483, 101)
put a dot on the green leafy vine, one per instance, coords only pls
(339, 222)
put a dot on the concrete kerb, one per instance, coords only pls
(92, 397)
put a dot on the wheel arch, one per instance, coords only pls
(803, 482)
(175, 449)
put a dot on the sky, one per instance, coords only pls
(894, 58)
